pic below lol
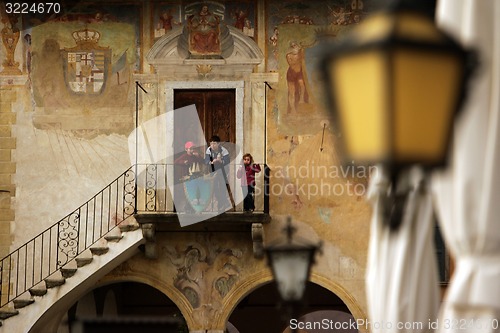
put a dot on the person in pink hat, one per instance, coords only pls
(187, 166)
(190, 162)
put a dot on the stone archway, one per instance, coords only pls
(351, 303)
(334, 295)
(123, 299)
(263, 303)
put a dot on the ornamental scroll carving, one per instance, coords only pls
(206, 272)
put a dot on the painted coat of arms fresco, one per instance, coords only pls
(87, 65)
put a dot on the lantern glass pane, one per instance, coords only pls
(291, 269)
(426, 85)
(360, 88)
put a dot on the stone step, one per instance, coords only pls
(113, 238)
(99, 250)
(55, 281)
(68, 272)
(69, 269)
(80, 262)
(128, 226)
(39, 289)
(22, 302)
(7, 312)
(84, 258)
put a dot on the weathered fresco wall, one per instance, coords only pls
(71, 139)
(308, 179)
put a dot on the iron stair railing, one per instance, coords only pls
(140, 189)
(54, 247)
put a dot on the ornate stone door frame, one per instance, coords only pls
(176, 70)
(237, 85)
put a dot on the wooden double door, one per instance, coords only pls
(216, 112)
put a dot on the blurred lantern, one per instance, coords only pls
(290, 261)
(395, 84)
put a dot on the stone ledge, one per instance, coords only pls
(229, 221)
(233, 222)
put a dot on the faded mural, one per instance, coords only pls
(80, 63)
(10, 37)
(80, 68)
(166, 15)
(309, 180)
(296, 34)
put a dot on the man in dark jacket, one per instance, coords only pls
(217, 157)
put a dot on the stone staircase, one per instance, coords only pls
(72, 280)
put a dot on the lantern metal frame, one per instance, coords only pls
(291, 245)
(397, 170)
(349, 46)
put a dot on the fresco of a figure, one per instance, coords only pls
(204, 32)
(296, 32)
(166, 17)
(295, 77)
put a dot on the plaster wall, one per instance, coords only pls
(57, 171)
(65, 154)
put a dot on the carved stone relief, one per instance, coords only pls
(206, 272)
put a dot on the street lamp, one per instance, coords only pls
(395, 85)
(290, 262)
